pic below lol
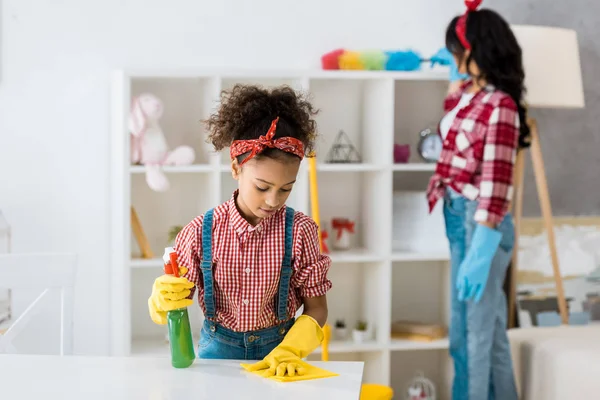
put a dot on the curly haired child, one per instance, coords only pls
(253, 260)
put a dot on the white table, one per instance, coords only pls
(132, 378)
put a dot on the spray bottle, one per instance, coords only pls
(178, 322)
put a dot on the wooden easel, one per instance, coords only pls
(544, 199)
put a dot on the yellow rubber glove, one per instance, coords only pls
(169, 293)
(284, 362)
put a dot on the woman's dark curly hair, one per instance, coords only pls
(495, 50)
(246, 112)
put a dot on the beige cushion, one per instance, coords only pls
(557, 363)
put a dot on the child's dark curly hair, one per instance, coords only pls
(246, 112)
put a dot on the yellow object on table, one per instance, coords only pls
(371, 391)
(284, 363)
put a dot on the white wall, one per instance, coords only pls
(54, 97)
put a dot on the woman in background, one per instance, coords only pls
(483, 126)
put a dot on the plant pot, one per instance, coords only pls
(359, 336)
(340, 333)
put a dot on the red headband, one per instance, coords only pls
(461, 24)
(255, 146)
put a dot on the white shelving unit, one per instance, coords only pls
(373, 282)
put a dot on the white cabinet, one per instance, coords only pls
(379, 280)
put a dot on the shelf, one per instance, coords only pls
(412, 345)
(348, 346)
(350, 256)
(380, 279)
(354, 256)
(409, 256)
(146, 263)
(173, 169)
(426, 74)
(348, 167)
(424, 167)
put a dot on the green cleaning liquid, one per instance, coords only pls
(178, 323)
(180, 338)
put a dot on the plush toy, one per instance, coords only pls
(148, 143)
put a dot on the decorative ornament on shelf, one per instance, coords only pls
(148, 142)
(401, 153)
(343, 229)
(360, 333)
(341, 331)
(430, 145)
(420, 388)
(173, 232)
(342, 150)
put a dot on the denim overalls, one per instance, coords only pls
(219, 342)
(479, 344)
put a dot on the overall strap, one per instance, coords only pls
(286, 267)
(206, 266)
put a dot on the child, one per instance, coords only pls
(484, 124)
(254, 260)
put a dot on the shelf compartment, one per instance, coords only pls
(434, 365)
(419, 295)
(417, 105)
(186, 103)
(158, 212)
(353, 196)
(362, 109)
(414, 229)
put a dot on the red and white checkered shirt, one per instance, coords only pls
(247, 264)
(479, 153)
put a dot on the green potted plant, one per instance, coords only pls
(173, 231)
(340, 331)
(359, 334)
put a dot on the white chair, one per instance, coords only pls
(43, 271)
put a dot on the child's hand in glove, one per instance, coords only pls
(169, 293)
(285, 362)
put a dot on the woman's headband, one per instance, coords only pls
(461, 24)
(255, 146)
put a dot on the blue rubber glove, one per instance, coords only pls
(475, 268)
(444, 57)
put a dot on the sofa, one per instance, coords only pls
(553, 363)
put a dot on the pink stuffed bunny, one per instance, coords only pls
(149, 145)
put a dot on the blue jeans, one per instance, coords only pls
(479, 343)
(217, 342)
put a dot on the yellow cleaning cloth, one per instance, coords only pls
(284, 363)
(304, 370)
